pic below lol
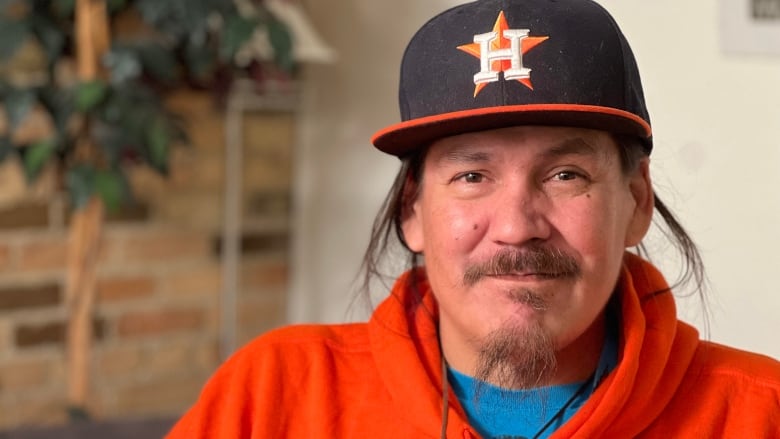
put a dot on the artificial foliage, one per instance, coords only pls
(104, 126)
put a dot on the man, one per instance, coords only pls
(525, 176)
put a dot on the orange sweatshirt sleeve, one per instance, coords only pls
(297, 381)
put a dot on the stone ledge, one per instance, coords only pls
(120, 429)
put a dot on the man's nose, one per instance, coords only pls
(520, 216)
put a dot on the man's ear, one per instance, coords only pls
(641, 188)
(411, 217)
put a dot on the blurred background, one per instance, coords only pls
(177, 178)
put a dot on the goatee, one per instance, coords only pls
(517, 357)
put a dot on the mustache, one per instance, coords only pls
(537, 259)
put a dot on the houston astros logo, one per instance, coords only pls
(502, 51)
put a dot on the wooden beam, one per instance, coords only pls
(92, 42)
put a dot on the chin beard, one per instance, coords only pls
(517, 357)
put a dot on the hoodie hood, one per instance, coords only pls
(655, 352)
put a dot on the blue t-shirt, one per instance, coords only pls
(499, 413)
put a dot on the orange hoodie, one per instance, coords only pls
(383, 379)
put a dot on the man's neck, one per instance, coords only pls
(579, 359)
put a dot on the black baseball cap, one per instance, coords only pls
(498, 63)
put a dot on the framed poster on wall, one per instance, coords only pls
(750, 26)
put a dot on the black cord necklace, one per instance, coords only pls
(560, 412)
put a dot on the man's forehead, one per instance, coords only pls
(545, 141)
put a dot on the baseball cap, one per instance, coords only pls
(498, 63)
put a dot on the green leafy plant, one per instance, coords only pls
(103, 126)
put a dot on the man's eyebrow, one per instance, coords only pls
(572, 146)
(463, 155)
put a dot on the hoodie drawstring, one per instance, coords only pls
(445, 398)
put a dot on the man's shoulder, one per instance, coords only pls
(310, 338)
(725, 393)
(736, 365)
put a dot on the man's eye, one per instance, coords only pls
(472, 177)
(566, 176)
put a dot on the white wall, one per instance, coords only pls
(341, 179)
(716, 120)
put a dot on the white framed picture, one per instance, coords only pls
(750, 26)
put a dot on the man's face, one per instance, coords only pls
(524, 227)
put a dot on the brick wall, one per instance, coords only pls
(159, 279)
